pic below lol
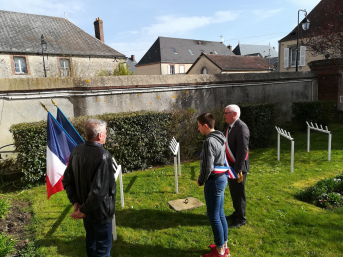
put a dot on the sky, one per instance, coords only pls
(132, 26)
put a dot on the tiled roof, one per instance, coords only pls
(263, 50)
(317, 17)
(178, 50)
(238, 62)
(21, 33)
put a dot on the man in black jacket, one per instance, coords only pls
(237, 152)
(91, 188)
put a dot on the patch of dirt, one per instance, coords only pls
(14, 223)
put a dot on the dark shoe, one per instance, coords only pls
(237, 224)
(231, 217)
(227, 251)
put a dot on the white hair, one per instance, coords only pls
(93, 127)
(234, 108)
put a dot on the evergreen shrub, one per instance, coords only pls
(325, 193)
(137, 140)
(260, 118)
(320, 112)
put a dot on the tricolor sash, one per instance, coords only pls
(227, 169)
(228, 151)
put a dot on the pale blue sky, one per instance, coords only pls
(132, 26)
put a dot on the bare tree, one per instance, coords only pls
(325, 37)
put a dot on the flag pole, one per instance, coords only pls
(54, 102)
(44, 106)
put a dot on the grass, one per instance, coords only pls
(278, 223)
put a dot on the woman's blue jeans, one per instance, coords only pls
(214, 197)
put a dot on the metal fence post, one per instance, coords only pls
(329, 150)
(292, 156)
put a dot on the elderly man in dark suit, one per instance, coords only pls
(237, 152)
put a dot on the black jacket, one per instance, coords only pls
(89, 180)
(238, 138)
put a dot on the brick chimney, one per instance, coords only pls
(133, 58)
(230, 47)
(99, 30)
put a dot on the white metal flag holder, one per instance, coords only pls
(117, 173)
(309, 127)
(175, 148)
(287, 135)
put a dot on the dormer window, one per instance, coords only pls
(174, 50)
(190, 51)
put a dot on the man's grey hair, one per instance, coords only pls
(93, 127)
(234, 108)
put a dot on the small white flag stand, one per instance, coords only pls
(117, 173)
(175, 148)
(309, 127)
(287, 135)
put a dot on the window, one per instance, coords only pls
(215, 52)
(20, 66)
(174, 50)
(182, 68)
(204, 70)
(170, 69)
(190, 51)
(294, 56)
(290, 55)
(224, 52)
(64, 67)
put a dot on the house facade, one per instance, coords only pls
(221, 64)
(288, 44)
(71, 52)
(176, 55)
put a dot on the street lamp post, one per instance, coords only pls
(305, 25)
(44, 47)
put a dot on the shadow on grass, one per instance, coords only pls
(156, 220)
(132, 181)
(59, 221)
(77, 248)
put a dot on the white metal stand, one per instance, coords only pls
(309, 127)
(175, 148)
(287, 135)
(117, 173)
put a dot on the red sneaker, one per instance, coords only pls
(215, 253)
(227, 251)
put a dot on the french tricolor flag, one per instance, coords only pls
(62, 119)
(59, 148)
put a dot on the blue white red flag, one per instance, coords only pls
(59, 148)
(62, 119)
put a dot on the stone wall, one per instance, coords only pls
(80, 66)
(19, 98)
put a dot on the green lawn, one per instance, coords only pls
(278, 223)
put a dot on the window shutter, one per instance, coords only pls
(302, 56)
(168, 69)
(175, 69)
(285, 57)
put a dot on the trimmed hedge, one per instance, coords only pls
(320, 112)
(260, 118)
(139, 140)
(136, 140)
